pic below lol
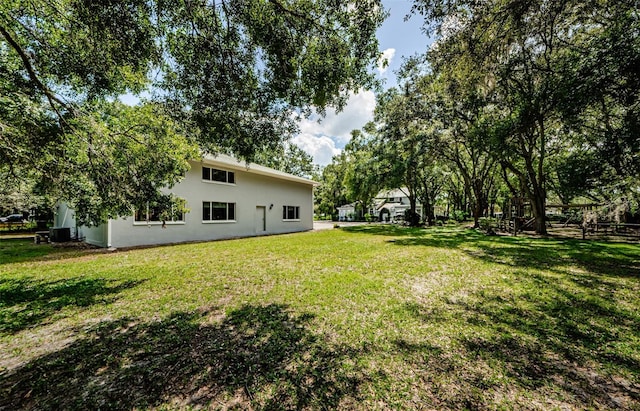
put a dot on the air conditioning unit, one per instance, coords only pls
(60, 235)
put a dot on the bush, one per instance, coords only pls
(459, 216)
(412, 218)
(18, 227)
(486, 225)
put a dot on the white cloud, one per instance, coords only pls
(324, 137)
(384, 62)
(357, 112)
(321, 148)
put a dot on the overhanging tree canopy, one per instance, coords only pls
(223, 75)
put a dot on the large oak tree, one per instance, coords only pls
(219, 75)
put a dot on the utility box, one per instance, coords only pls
(60, 235)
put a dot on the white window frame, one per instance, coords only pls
(210, 221)
(166, 222)
(285, 213)
(210, 180)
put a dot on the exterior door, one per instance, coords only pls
(261, 219)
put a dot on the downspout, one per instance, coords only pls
(109, 233)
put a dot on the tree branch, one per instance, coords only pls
(294, 13)
(31, 71)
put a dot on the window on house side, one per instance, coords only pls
(290, 212)
(153, 214)
(217, 175)
(218, 211)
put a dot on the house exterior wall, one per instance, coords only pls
(258, 193)
(254, 196)
(65, 217)
(346, 213)
(98, 236)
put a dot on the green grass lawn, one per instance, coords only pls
(373, 317)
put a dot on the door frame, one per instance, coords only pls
(261, 212)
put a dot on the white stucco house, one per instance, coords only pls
(227, 198)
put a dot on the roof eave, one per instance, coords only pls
(229, 162)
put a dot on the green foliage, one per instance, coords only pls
(361, 180)
(119, 157)
(544, 88)
(331, 193)
(459, 215)
(240, 67)
(406, 144)
(222, 76)
(578, 174)
(412, 218)
(486, 224)
(288, 158)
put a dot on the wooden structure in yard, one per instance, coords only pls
(573, 218)
(628, 230)
(517, 216)
(583, 220)
(617, 221)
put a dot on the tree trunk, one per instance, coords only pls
(538, 207)
(540, 191)
(478, 204)
(414, 222)
(427, 209)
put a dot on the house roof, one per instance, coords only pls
(394, 193)
(225, 161)
(347, 206)
(391, 205)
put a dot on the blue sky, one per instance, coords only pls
(405, 37)
(397, 39)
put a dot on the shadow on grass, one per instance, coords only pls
(28, 302)
(577, 322)
(574, 339)
(617, 259)
(385, 229)
(564, 321)
(20, 250)
(256, 357)
(596, 258)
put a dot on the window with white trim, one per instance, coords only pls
(217, 211)
(147, 214)
(290, 212)
(218, 176)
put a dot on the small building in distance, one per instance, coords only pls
(387, 206)
(347, 212)
(391, 205)
(227, 198)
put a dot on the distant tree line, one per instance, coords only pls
(515, 99)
